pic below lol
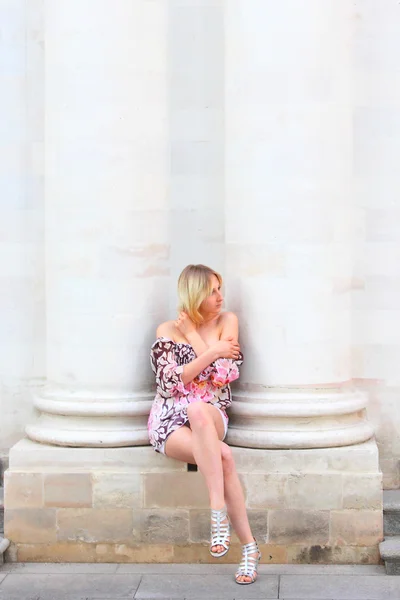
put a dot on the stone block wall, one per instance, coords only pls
(322, 506)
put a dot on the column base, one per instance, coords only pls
(312, 418)
(91, 420)
(134, 505)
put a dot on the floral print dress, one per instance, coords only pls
(169, 408)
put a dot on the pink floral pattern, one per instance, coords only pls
(169, 408)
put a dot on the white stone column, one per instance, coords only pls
(106, 234)
(290, 222)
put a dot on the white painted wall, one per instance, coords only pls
(356, 201)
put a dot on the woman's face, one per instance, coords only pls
(213, 303)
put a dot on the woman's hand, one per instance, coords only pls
(184, 324)
(227, 348)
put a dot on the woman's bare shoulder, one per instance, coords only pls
(167, 330)
(228, 317)
(229, 325)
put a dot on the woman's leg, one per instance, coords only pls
(201, 445)
(235, 502)
(234, 496)
(207, 431)
(180, 446)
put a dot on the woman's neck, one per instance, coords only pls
(208, 320)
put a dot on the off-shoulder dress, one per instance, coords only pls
(169, 408)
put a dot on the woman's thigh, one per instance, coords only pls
(179, 443)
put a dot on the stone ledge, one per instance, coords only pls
(4, 544)
(27, 455)
(390, 549)
(390, 553)
(359, 458)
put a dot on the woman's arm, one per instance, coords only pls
(221, 349)
(196, 366)
(206, 355)
(187, 328)
(229, 331)
(197, 342)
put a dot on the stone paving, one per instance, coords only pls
(27, 581)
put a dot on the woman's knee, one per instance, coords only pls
(198, 414)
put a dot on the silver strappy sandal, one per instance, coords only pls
(220, 532)
(249, 564)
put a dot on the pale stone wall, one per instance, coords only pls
(22, 311)
(196, 118)
(376, 295)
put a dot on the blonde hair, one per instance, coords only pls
(194, 286)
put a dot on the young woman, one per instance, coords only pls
(194, 359)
